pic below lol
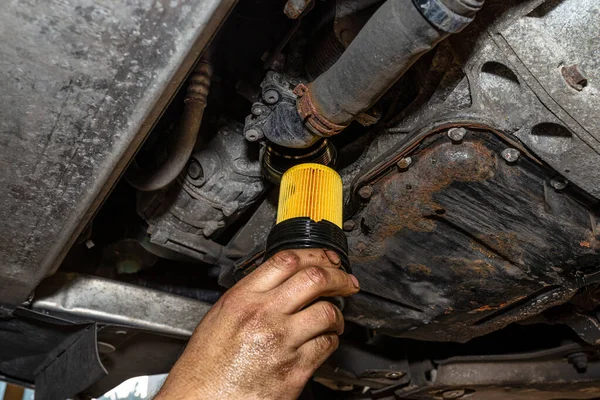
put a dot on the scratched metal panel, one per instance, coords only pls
(81, 84)
(559, 34)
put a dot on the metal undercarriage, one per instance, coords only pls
(471, 192)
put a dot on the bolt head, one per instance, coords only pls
(271, 96)
(574, 76)
(194, 170)
(453, 394)
(365, 192)
(393, 375)
(404, 163)
(457, 134)
(559, 183)
(349, 225)
(253, 134)
(241, 164)
(361, 247)
(257, 110)
(510, 155)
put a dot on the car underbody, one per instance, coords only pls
(142, 144)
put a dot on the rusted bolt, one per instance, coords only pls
(510, 155)
(194, 169)
(453, 394)
(558, 183)
(271, 96)
(252, 135)
(404, 163)
(574, 76)
(365, 192)
(456, 134)
(349, 225)
(394, 375)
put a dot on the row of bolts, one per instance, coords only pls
(456, 135)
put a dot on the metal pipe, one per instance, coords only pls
(396, 36)
(183, 141)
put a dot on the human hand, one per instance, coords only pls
(264, 338)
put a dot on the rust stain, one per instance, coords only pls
(310, 113)
(468, 267)
(485, 308)
(406, 200)
(418, 269)
(479, 248)
(508, 244)
(502, 305)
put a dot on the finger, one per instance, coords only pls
(285, 264)
(321, 317)
(311, 283)
(314, 352)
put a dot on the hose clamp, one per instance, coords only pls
(309, 114)
(440, 16)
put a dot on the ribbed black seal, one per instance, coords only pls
(304, 233)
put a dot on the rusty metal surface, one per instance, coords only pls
(312, 116)
(462, 242)
(82, 83)
(541, 380)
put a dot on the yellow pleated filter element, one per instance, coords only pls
(311, 190)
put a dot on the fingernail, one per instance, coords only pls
(354, 281)
(333, 257)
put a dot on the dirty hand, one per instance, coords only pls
(260, 340)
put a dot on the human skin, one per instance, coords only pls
(267, 335)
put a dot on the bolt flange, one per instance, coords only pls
(365, 192)
(574, 76)
(457, 134)
(194, 169)
(510, 154)
(253, 134)
(349, 226)
(559, 183)
(271, 96)
(404, 163)
(453, 394)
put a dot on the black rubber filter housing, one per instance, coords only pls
(304, 233)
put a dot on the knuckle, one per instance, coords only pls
(286, 260)
(317, 276)
(330, 313)
(229, 300)
(261, 338)
(328, 342)
(247, 318)
(317, 256)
